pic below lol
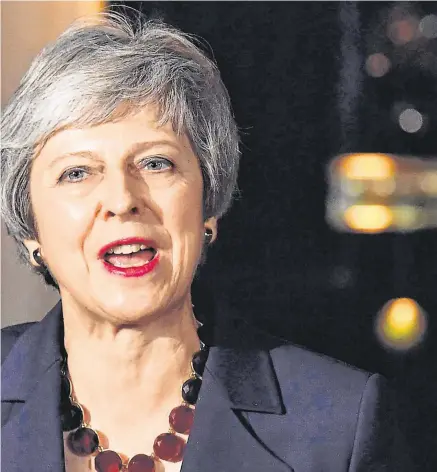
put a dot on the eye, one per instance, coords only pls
(77, 174)
(156, 164)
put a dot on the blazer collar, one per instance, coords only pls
(235, 379)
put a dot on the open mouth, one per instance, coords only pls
(125, 256)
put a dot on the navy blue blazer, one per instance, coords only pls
(265, 406)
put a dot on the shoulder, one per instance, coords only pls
(323, 385)
(334, 411)
(297, 365)
(293, 361)
(310, 379)
(10, 335)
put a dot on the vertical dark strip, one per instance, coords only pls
(351, 74)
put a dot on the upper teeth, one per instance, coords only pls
(127, 249)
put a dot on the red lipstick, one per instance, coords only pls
(138, 271)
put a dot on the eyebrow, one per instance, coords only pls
(133, 150)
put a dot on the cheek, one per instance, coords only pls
(184, 211)
(61, 223)
(183, 220)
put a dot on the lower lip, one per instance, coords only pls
(132, 271)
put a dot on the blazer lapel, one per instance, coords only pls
(32, 435)
(221, 438)
(32, 439)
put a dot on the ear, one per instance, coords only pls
(31, 245)
(211, 223)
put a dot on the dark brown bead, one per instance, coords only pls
(169, 447)
(205, 334)
(141, 463)
(198, 362)
(190, 390)
(83, 442)
(65, 389)
(108, 461)
(181, 419)
(71, 416)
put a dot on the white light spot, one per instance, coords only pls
(410, 120)
(428, 26)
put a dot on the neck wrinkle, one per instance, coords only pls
(140, 369)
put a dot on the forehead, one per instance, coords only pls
(125, 130)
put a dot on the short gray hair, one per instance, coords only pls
(86, 75)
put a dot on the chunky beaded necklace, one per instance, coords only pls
(84, 441)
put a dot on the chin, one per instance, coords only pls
(129, 308)
(128, 311)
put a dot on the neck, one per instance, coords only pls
(142, 366)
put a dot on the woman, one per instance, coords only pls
(119, 155)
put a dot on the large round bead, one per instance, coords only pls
(181, 419)
(169, 447)
(83, 441)
(199, 361)
(71, 416)
(141, 463)
(190, 390)
(108, 461)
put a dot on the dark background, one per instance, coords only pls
(295, 73)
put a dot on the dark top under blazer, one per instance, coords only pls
(265, 406)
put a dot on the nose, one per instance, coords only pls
(121, 196)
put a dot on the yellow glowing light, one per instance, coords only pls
(367, 166)
(401, 324)
(368, 218)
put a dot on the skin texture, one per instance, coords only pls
(92, 186)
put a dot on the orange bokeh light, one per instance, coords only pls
(367, 166)
(368, 218)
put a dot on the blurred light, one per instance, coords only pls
(428, 183)
(401, 324)
(410, 120)
(367, 166)
(374, 193)
(406, 216)
(384, 188)
(368, 218)
(353, 188)
(403, 31)
(378, 64)
(428, 26)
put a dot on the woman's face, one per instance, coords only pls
(125, 180)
